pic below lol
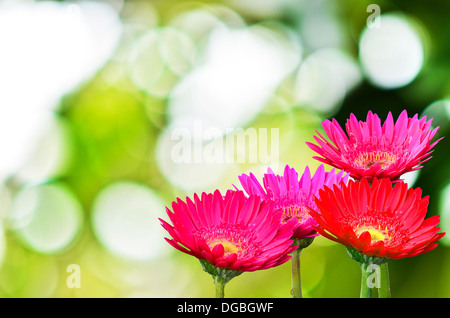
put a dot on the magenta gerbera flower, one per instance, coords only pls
(371, 150)
(229, 234)
(291, 195)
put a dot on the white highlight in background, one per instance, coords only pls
(125, 221)
(392, 55)
(47, 218)
(241, 70)
(324, 79)
(47, 49)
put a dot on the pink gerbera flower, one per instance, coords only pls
(371, 150)
(229, 234)
(292, 196)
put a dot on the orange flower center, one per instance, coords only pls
(299, 212)
(368, 159)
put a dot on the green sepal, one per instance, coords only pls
(224, 274)
(364, 259)
(303, 243)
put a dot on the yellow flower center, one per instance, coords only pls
(376, 234)
(368, 159)
(229, 247)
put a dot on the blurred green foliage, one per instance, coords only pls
(114, 128)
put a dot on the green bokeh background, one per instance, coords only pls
(112, 128)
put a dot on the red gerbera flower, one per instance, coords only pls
(378, 220)
(293, 195)
(371, 150)
(230, 232)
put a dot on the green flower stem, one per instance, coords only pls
(296, 281)
(366, 291)
(383, 277)
(296, 290)
(221, 276)
(220, 286)
(384, 291)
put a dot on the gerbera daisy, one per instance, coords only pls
(371, 150)
(292, 197)
(229, 234)
(377, 221)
